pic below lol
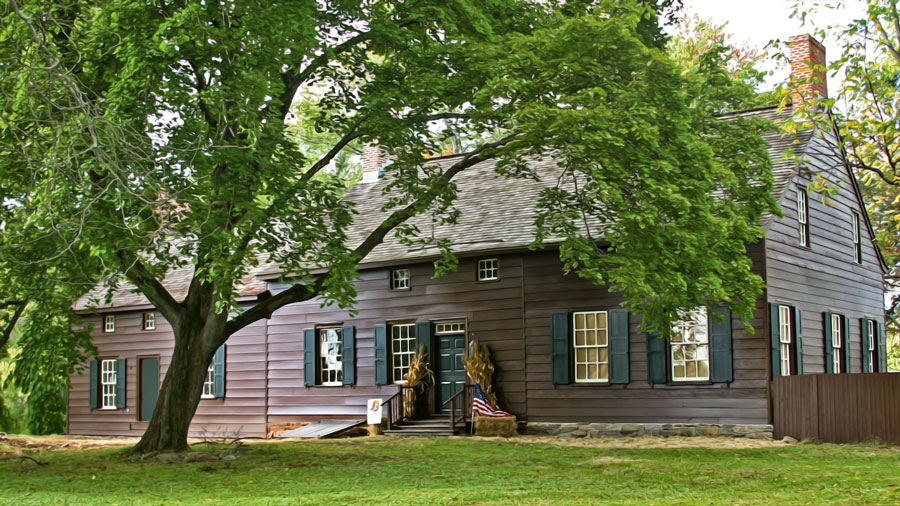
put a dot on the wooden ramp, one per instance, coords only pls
(324, 428)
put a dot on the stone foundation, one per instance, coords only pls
(752, 431)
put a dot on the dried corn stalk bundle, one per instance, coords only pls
(418, 375)
(480, 369)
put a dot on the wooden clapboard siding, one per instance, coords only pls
(547, 291)
(824, 276)
(492, 310)
(241, 413)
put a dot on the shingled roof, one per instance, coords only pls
(496, 214)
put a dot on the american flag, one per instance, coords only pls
(482, 406)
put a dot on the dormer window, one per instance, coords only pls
(109, 323)
(488, 269)
(400, 279)
(854, 231)
(803, 216)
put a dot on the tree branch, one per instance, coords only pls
(137, 273)
(304, 292)
(7, 332)
(351, 134)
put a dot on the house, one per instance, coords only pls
(565, 352)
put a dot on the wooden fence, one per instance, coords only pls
(838, 408)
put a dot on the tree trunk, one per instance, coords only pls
(178, 397)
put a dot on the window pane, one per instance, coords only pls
(689, 346)
(590, 343)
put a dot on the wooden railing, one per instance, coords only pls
(394, 407)
(460, 406)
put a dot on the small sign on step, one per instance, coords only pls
(373, 411)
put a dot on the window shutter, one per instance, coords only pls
(797, 322)
(775, 340)
(720, 368)
(348, 355)
(309, 357)
(94, 368)
(219, 373)
(381, 368)
(423, 338)
(656, 359)
(829, 351)
(880, 349)
(559, 348)
(864, 344)
(121, 375)
(845, 343)
(618, 346)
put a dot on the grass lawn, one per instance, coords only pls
(462, 471)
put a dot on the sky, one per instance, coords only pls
(756, 22)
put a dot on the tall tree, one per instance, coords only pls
(862, 114)
(140, 137)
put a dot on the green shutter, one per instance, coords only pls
(864, 344)
(94, 384)
(720, 368)
(219, 373)
(618, 346)
(348, 355)
(845, 343)
(381, 368)
(121, 376)
(775, 340)
(656, 359)
(309, 357)
(829, 351)
(423, 338)
(797, 322)
(559, 348)
(880, 349)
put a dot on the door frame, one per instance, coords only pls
(140, 382)
(435, 355)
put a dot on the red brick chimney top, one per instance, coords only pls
(808, 61)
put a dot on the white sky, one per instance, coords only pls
(756, 22)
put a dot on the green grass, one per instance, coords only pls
(463, 471)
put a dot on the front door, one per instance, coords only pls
(149, 387)
(451, 376)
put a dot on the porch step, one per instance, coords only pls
(438, 425)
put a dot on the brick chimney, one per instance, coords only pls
(807, 84)
(373, 159)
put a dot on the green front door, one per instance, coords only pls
(451, 376)
(149, 387)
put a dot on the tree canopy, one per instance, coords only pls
(140, 137)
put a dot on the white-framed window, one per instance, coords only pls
(591, 342)
(689, 346)
(209, 383)
(400, 279)
(149, 321)
(488, 269)
(108, 373)
(870, 351)
(403, 349)
(837, 341)
(444, 328)
(785, 338)
(330, 354)
(109, 323)
(803, 216)
(857, 246)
